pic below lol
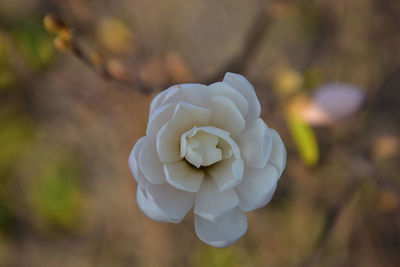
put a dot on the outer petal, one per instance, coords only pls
(225, 115)
(159, 117)
(278, 152)
(227, 173)
(211, 204)
(184, 176)
(222, 232)
(242, 85)
(133, 162)
(168, 137)
(257, 187)
(150, 164)
(196, 94)
(157, 100)
(255, 144)
(224, 89)
(164, 203)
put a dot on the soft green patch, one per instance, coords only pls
(16, 135)
(34, 43)
(217, 257)
(7, 75)
(57, 195)
(312, 78)
(304, 139)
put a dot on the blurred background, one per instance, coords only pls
(75, 98)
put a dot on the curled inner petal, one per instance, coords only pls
(205, 146)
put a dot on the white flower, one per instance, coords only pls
(207, 146)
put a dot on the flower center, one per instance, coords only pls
(205, 146)
(201, 149)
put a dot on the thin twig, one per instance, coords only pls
(334, 213)
(252, 39)
(67, 42)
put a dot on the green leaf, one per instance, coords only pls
(304, 139)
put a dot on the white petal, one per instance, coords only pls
(224, 89)
(167, 143)
(211, 204)
(133, 162)
(226, 115)
(150, 164)
(159, 117)
(255, 144)
(164, 203)
(227, 173)
(226, 141)
(184, 176)
(157, 100)
(196, 94)
(222, 232)
(278, 152)
(168, 137)
(257, 187)
(242, 85)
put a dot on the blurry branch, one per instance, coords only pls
(332, 217)
(252, 39)
(107, 70)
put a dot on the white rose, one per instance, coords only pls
(207, 146)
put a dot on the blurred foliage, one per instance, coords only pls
(7, 76)
(304, 139)
(56, 194)
(115, 35)
(16, 134)
(34, 42)
(217, 257)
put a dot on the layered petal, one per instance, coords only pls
(159, 98)
(150, 164)
(242, 85)
(159, 117)
(133, 162)
(223, 231)
(168, 137)
(196, 94)
(278, 152)
(164, 203)
(255, 144)
(225, 115)
(184, 176)
(224, 89)
(210, 203)
(257, 187)
(227, 173)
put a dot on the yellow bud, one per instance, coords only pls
(53, 24)
(62, 44)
